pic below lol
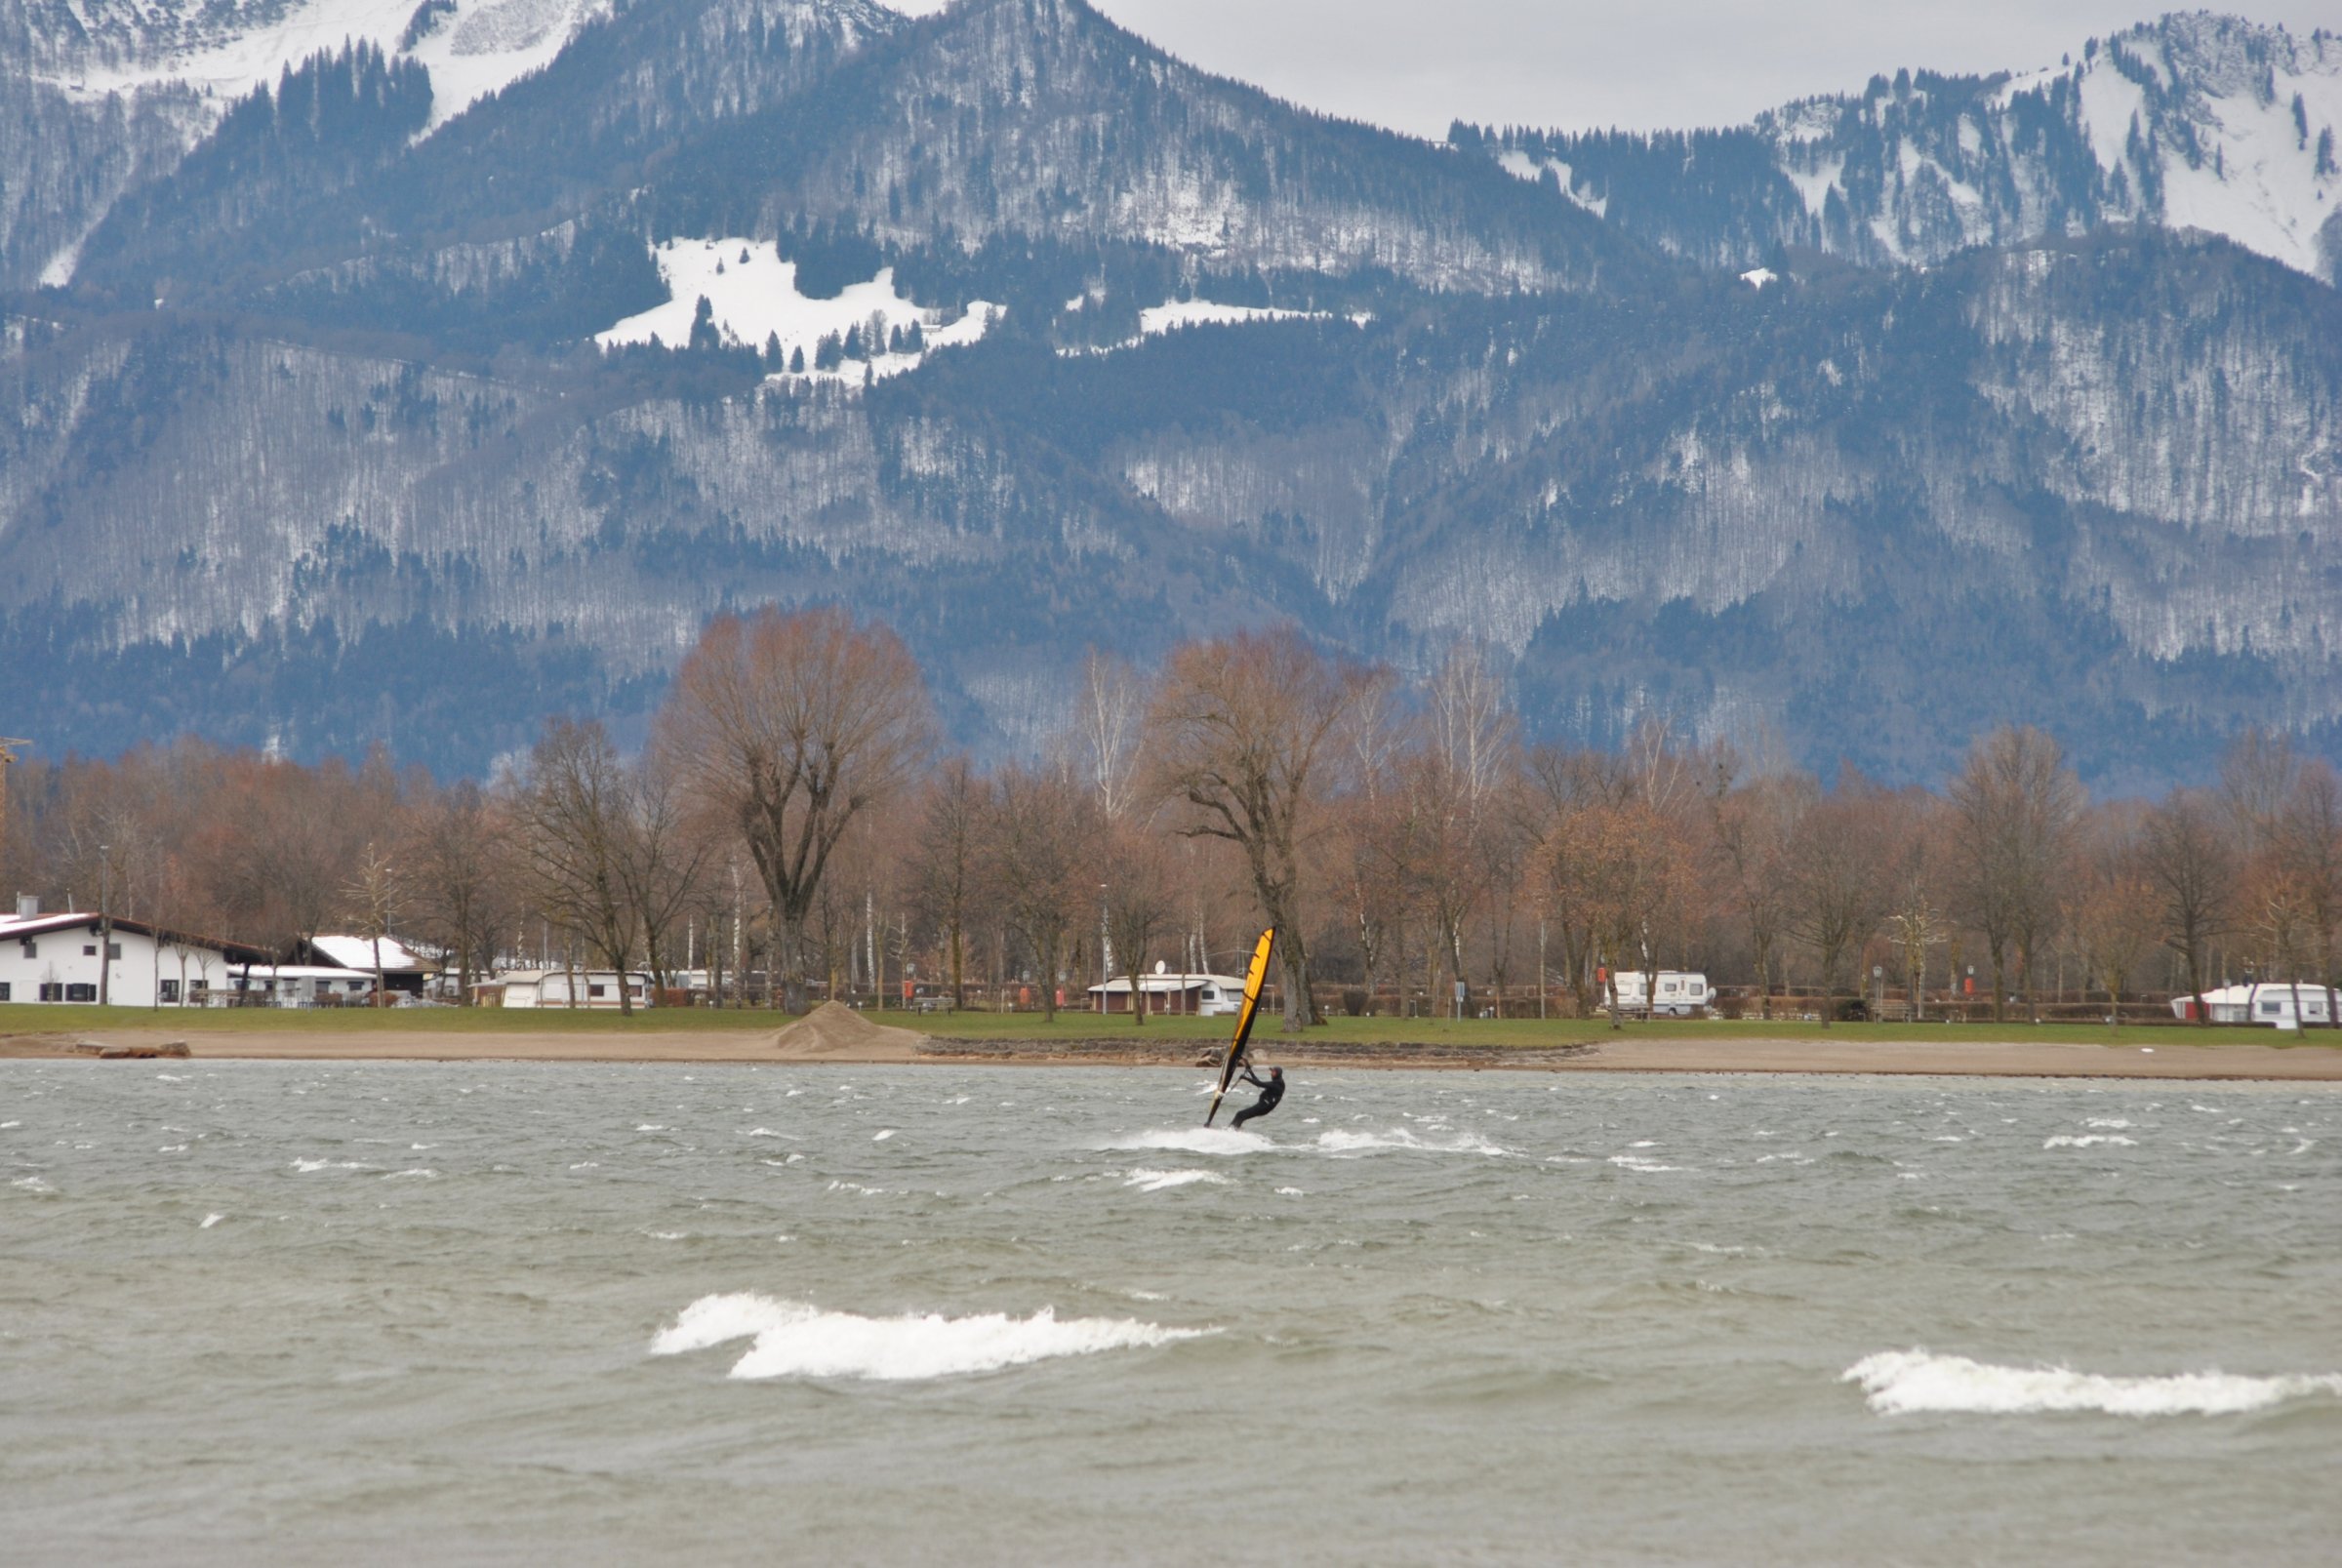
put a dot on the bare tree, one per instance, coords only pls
(2311, 835)
(790, 726)
(1107, 732)
(457, 855)
(1040, 840)
(2017, 804)
(2112, 907)
(374, 896)
(664, 854)
(571, 803)
(946, 874)
(1246, 728)
(2257, 777)
(2189, 862)
(1837, 897)
(1753, 828)
(1141, 898)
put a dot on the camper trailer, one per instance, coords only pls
(1682, 993)
(2276, 1004)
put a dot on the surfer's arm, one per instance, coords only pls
(1250, 1079)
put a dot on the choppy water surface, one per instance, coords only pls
(420, 1312)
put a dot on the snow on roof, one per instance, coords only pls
(752, 297)
(357, 952)
(15, 929)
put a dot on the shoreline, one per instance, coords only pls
(1638, 1052)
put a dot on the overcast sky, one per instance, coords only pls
(1416, 64)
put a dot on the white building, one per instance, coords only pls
(551, 988)
(294, 986)
(2280, 1004)
(1206, 996)
(55, 958)
(403, 968)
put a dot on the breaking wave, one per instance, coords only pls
(797, 1340)
(1901, 1383)
(1341, 1142)
(1196, 1141)
(1147, 1180)
(2089, 1140)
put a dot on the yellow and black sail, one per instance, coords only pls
(1254, 978)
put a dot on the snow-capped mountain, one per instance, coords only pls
(386, 401)
(2194, 122)
(99, 96)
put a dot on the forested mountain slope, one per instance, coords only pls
(353, 423)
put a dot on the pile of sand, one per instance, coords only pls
(835, 1033)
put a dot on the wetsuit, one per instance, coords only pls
(1273, 1090)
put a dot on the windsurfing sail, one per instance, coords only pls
(1253, 977)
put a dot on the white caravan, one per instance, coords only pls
(1681, 993)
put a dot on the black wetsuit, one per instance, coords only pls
(1272, 1090)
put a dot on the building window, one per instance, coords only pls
(4, 991)
(81, 993)
(52, 991)
(114, 949)
(598, 990)
(170, 991)
(88, 949)
(32, 949)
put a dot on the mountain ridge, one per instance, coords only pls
(379, 466)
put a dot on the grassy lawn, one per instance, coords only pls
(1513, 1033)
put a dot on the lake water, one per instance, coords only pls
(393, 1312)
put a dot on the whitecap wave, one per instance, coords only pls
(2089, 1140)
(1196, 1141)
(1632, 1162)
(1903, 1383)
(306, 1167)
(1147, 1180)
(1341, 1142)
(797, 1340)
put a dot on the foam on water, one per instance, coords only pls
(1196, 1141)
(1340, 1141)
(2088, 1140)
(1902, 1383)
(1147, 1180)
(797, 1340)
(1632, 1162)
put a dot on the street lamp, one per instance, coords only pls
(1106, 958)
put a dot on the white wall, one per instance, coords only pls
(140, 976)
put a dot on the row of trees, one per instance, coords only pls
(792, 816)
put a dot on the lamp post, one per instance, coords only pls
(1105, 957)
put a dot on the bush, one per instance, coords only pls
(1354, 1000)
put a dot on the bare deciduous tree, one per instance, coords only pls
(1041, 855)
(792, 726)
(2189, 862)
(1245, 729)
(1838, 894)
(2017, 804)
(458, 863)
(1141, 898)
(946, 874)
(571, 807)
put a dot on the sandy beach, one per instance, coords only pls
(863, 1042)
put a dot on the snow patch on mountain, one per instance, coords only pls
(477, 48)
(753, 300)
(1521, 165)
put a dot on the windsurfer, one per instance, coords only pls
(1273, 1090)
